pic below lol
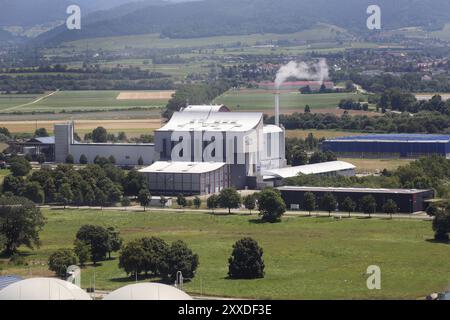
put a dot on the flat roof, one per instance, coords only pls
(213, 121)
(317, 168)
(355, 190)
(270, 128)
(182, 167)
(394, 138)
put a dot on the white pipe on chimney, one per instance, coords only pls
(277, 108)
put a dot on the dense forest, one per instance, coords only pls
(38, 80)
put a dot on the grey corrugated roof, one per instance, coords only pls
(45, 140)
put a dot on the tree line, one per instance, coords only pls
(99, 184)
(202, 93)
(422, 122)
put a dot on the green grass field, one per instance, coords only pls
(72, 101)
(305, 258)
(264, 99)
(320, 32)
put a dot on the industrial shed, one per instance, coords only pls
(35, 147)
(389, 146)
(408, 200)
(187, 178)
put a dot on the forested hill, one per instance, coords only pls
(233, 17)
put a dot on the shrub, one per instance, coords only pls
(271, 205)
(180, 258)
(60, 260)
(246, 261)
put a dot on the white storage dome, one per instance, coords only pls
(43, 289)
(147, 291)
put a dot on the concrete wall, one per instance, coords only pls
(63, 139)
(125, 154)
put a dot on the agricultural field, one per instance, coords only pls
(321, 32)
(71, 101)
(178, 71)
(319, 134)
(427, 96)
(305, 257)
(291, 101)
(132, 127)
(371, 166)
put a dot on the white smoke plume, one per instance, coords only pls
(318, 71)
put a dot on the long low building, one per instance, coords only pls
(125, 154)
(187, 178)
(407, 200)
(389, 146)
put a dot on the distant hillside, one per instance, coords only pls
(6, 36)
(234, 17)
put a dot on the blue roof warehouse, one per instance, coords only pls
(389, 146)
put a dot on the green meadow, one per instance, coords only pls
(305, 257)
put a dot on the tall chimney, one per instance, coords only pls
(277, 108)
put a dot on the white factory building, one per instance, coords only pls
(202, 150)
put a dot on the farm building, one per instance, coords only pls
(407, 200)
(389, 146)
(35, 147)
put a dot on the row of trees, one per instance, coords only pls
(328, 202)
(95, 184)
(350, 104)
(92, 243)
(422, 122)
(86, 79)
(154, 257)
(397, 100)
(269, 202)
